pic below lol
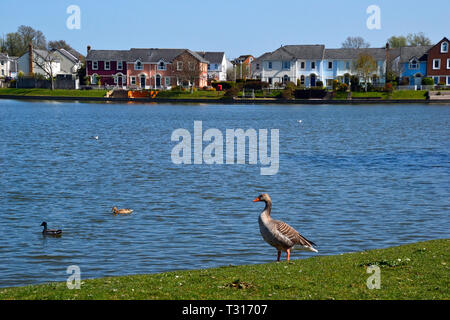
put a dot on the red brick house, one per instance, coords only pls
(108, 66)
(438, 65)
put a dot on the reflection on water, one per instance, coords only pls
(350, 178)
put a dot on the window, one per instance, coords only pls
(448, 63)
(313, 64)
(444, 47)
(124, 80)
(302, 65)
(330, 64)
(209, 67)
(94, 65)
(436, 64)
(180, 65)
(3, 63)
(270, 65)
(167, 80)
(161, 66)
(448, 80)
(216, 66)
(133, 80)
(119, 65)
(257, 66)
(414, 64)
(3, 72)
(286, 65)
(302, 80)
(138, 66)
(107, 65)
(286, 79)
(191, 66)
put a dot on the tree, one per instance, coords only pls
(418, 39)
(47, 64)
(397, 42)
(16, 43)
(365, 66)
(355, 43)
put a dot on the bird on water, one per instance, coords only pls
(278, 233)
(50, 232)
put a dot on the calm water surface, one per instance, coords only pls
(351, 178)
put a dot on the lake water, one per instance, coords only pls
(351, 178)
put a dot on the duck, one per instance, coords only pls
(50, 232)
(278, 233)
(95, 137)
(121, 211)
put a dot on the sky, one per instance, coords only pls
(234, 26)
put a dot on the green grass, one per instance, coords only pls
(341, 95)
(200, 94)
(53, 93)
(396, 94)
(383, 95)
(413, 271)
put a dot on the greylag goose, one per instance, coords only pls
(278, 233)
(50, 232)
(121, 211)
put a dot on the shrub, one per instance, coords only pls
(354, 83)
(388, 87)
(225, 84)
(404, 81)
(335, 85)
(342, 87)
(427, 81)
(319, 83)
(255, 84)
(287, 94)
(231, 92)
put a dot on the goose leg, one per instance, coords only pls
(279, 255)
(288, 253)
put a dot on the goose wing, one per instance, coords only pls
(289, 233)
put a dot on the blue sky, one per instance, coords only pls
(234, 26)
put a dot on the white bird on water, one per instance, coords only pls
(299, 121)
(95, 137)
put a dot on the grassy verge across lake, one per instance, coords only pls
(53, 93)
(413, 271)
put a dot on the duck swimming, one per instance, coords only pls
(278, 233)
(50, 232)
(121, 211)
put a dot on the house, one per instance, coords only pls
(8, 66)
(438, 64)
(242, 66)
(39, 62)
(146, 68)
(70, 64)
(107, 66)
(256, 66)
(291, 63)
(411, 64)
(218, 65)
(337, 64)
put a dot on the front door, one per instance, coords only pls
(143, 82)
(313, 80)
(158, 81)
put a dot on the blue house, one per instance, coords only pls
(412, 63)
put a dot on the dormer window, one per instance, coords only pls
(413, 64)
(138, 65)
(444, 47)
(161, 66)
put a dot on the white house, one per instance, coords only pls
(8, 66)
(217, 65)
(42, 62)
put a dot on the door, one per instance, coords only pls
(313, 80)
(142, 81)
(158, 81)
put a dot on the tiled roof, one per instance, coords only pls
(349, 53)
(420, 52)
(108, 55)
(291, 52)
(152, 55)
(212, 56)
(69, 55)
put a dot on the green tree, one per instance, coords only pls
(397, 42)
(365, 66)
(418, 39)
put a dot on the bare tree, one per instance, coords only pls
(365, 66)
(355, 43)
(47, 63)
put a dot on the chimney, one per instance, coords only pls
(88, 49)
(30, 51)
(388, 67)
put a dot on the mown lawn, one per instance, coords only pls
(397, 94)
(200, 94)
(53, 93)
(413, 271)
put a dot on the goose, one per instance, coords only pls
(278, 233)
(50, 232)
(121, 211)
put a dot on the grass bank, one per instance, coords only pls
(396, 95)
(413, 271)
(53, 93)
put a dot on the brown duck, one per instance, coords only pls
(50, 232)
(279, 234)
(121, 211)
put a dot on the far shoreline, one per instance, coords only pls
(261, 101)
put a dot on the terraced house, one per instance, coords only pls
(151, 68)
(438, 64)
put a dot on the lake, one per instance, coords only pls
(350, 178)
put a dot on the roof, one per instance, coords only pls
(291, 52)
(352, 53)
(261, 57)
(45, 54)
(69, 55)
(143, 54)
(420, 52)
(212, 56)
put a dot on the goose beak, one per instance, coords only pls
(256, 200)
